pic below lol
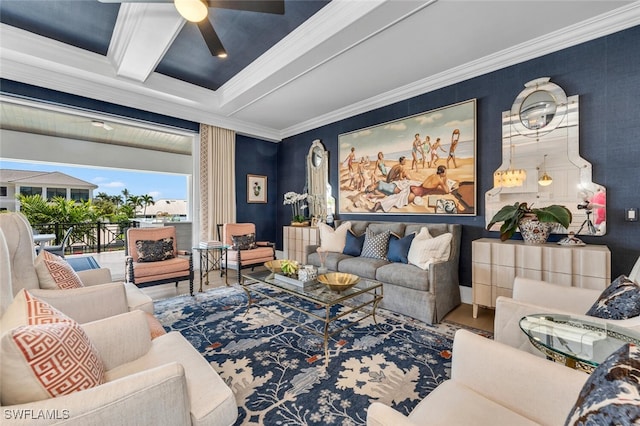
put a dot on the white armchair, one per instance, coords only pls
(492, 384)
(535, 297)
(100, 298)
(163, 381)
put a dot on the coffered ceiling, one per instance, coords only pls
(320, 62)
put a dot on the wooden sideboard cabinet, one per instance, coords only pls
(296, 238)
(495, 264)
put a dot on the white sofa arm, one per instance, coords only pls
(120, 339)
(499, 372)
(152, 397)
(87, 303)
(554, 297)
(379, 414)
(91, 277)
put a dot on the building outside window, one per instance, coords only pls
(80, 194)
(31, 190)
(56, 192)
(3, 191)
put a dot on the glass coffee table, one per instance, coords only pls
(575, 341)
(362, 299)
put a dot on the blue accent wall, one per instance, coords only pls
(605, 73)
(257, 157)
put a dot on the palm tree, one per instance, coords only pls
(146, 200)
(134, 201)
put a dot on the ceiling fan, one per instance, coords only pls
(197, 11)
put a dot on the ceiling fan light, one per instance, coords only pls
(192, 10)
(96, 123)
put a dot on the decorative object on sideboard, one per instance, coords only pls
(298, 206)
(535, 224)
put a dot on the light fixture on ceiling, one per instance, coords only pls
(545, 179)
(192, 10)
(510, 177)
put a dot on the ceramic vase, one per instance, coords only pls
(533, 231)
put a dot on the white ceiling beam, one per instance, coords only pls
(142, 35)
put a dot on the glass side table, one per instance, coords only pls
(210, 258)
(575, 341)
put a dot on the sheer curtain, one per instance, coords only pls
(217, 179)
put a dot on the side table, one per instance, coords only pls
(575, 341)
(210, 258)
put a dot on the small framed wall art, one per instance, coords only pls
(256, 189)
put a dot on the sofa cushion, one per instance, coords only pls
(426, 250)
(620, 300)
(399, 248)
(353, 245)
(375, 245)
(434, 229)
(409, 276)
(155, 250)
(394, 227)
(332, 261)
(611, 394)
(49, 356)
(333, 240)
(364, 267)
(55, 273)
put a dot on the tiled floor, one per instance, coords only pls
(115, 262)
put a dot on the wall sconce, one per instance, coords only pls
(510, 177)
(545, 179)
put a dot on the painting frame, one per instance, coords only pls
(256, 188)
(422, 164)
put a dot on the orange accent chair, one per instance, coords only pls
(237, 258)
(143, 268)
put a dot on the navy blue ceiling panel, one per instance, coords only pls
(86, 24)
(245, 36)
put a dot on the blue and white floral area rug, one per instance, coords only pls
(277, 370)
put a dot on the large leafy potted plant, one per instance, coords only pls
(535, 224)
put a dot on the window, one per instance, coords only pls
(31, 190)
(80, 194)
(56, 192)
(3, 191)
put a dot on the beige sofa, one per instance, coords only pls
(492, 384)
(100, 298)
(537, 297)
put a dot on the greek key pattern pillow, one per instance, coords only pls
(621, 300)
(376, 245)
(155, 250)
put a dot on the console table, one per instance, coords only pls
(296, 238)
(496, 263)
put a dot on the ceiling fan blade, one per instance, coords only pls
(264, 6)
(211, 38)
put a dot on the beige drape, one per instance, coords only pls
(217, 179)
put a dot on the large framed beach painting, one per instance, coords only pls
(422, 164)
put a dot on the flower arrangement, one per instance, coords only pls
(296, 201)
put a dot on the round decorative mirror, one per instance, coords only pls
(537, 110)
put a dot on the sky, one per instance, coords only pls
(113, 181)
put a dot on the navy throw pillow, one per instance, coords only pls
(621, 300)
(399, 248)
(353, 245)
(609, 396)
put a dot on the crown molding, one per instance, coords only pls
(617, 20)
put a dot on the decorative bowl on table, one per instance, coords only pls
(338, 281)
(282, 266)
(274, 265)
